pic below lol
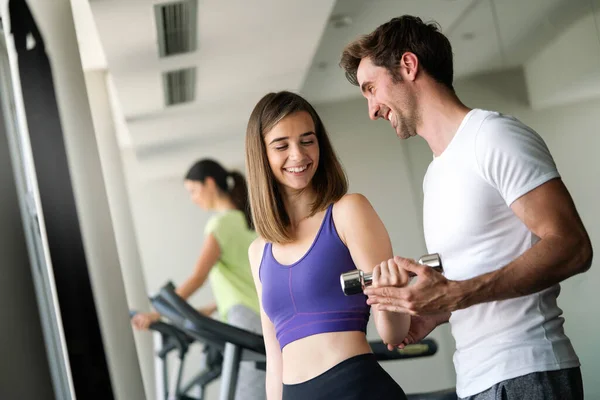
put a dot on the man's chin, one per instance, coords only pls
(402, 135)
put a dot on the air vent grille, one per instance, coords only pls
(179, 86)
(176, 27)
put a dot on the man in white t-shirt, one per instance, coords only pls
(495, 209)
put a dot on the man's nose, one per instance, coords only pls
(374, 110)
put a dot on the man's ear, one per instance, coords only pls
(409, 66)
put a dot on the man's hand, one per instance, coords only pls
(431, 294)
(142, 321)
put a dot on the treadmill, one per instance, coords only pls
(174, 339)
(237, 345)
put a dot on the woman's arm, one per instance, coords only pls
(208, 310)
(209, 255)
(273, 382)
(361, 229)
(142, 321)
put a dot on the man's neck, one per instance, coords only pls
(441, 115)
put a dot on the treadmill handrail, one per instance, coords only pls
(176, 337)
(209, 327)
(424, 348)
(178, 321)
(166, 310)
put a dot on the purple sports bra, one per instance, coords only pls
(305, 298)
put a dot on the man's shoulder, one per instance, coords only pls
(495, 122)
(498, 131)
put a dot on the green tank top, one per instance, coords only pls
(231, 277)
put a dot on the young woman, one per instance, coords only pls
(310, 232)
(223, 257)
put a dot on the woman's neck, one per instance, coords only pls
(298, 205)
(224, 203)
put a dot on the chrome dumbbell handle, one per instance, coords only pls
(355, 281)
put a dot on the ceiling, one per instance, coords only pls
(243, 51)
(486, 35)
(247, 48)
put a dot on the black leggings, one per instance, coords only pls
(357, 378)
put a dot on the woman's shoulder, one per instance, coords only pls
(351, 203)
(212, 223)
(255, 251)
(257, 244)
(352, 210)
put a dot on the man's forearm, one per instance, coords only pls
(441, 318)
(550, 261)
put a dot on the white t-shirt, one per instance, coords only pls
(492, 161)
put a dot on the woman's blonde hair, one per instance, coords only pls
(329, 182)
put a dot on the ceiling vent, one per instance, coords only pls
(179, 86)
(176, 27)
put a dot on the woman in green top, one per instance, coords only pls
(223, 258)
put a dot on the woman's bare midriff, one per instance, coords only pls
(309, 357)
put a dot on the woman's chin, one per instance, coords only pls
(294, 187)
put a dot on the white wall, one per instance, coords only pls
(548, 83)
(170, 232)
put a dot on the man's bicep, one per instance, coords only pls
(513, 158)
(548, 210)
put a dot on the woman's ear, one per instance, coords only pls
(209, 182)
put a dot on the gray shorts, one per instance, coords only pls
(251, 381)
(564, 384)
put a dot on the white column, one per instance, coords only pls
(120, 210)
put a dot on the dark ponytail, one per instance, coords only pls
(232, 184)
(239, 196)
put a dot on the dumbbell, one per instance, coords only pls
(355, 281)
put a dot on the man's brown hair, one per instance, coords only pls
(386, 45)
